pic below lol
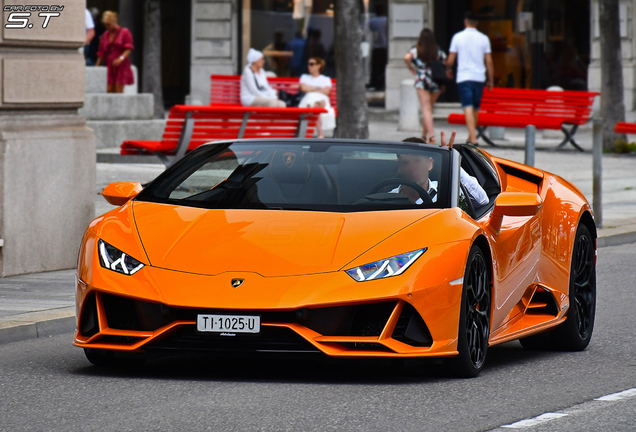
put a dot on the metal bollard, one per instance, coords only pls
(531, 133)
(597, 172)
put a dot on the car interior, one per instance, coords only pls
(480, 167)
(292, 176)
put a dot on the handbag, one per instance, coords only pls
(290, 99)
(438, 72)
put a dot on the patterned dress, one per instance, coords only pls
(424, 76)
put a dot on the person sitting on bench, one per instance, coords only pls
(255, 90)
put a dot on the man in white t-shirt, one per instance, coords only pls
(471, 48)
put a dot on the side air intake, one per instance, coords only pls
(542, 303)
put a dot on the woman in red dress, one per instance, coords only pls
(114, 48)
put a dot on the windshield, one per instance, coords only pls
(307, 175)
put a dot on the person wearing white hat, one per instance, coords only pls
(255, 90)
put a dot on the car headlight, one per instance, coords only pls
(113, 259)
(385, 268)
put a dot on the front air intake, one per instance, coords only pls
(124, 313)
(411, 328)
(89, 324)
(359, 320)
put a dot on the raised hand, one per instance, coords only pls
(451, 141)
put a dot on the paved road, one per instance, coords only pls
(47, 384)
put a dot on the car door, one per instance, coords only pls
(516, 249)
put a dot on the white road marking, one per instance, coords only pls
(626, 394)
(579, 409)
(543, 418)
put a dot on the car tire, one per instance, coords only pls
(575, 333)
(474, 318)
(108, 359)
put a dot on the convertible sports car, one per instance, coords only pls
(342, 248)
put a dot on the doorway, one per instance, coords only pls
(535, 43)
(175, 42)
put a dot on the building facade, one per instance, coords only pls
(535, 43)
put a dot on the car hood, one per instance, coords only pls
(267, 242)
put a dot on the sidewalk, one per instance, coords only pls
(40, 305)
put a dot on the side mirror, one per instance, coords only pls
(514, 204)
(121, 192)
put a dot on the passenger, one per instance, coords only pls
(317, 88)
(255, 90)
(417, 167)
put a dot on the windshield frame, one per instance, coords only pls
(178, 172)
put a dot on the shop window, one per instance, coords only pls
(289, 32)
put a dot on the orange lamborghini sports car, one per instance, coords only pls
(340, 248)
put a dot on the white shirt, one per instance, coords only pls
(470, 46)
(89, 21)
(320, 81)
(431, 185)
(476, 193)
(250, 90)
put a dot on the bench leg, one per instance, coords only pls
(163, 158)
(481, 133)
(246, 117)
(569, 138)
(301, 130)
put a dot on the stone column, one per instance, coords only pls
(406, 20)
(628, 51)
(47, 154)
(214, 44)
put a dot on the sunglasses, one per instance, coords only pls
(312, 64)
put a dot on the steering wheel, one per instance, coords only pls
(426, 198)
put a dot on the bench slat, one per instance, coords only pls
(212, 123)
(625, 128)
(226, 89)
(544, 109)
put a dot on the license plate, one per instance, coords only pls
(229, 324)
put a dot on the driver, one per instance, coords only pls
(416, 168)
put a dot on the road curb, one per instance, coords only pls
(39, 329)
(616, 240)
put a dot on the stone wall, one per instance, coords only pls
(399, 45)
(628, 51)
(214, 44)
(47, 154)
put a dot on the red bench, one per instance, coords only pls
(190, 126)
(625, 128)
(518, 108)
(226, 89)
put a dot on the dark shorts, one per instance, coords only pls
(470, 93)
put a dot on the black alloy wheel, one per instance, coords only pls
(474, 324)
(584, 284)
